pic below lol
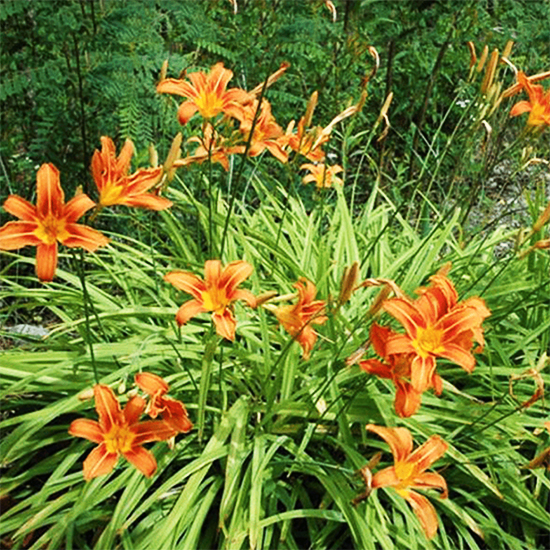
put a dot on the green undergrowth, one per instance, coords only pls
(278, 442)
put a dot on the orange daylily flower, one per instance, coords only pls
(306, 143)
(322, 175)
(397, 367)
(116, 186)
(298, 318)
(538, 105)
(437, 325)
(50, 221)
(119, 432)
(409, 472)
(206, 94)
(172, 412)
(211, 146)
(267, 132)
(215, 293)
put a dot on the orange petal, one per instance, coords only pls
(399, 440)
(175, 415)
(20, 208)
(88, 429)
(147, 200)
(245, 295)
(428, 453)
(376, 367)
(142, 180)
(422, 371)
(212, 273)
(82, 236)
(134, 409)
(125, 157)
(152, 430)
(225, 324)
(385, 478)
(407, 400)
(379, 336)
(460, 356)
(189, 310)
(151, 383)
(425, 512)
(107, 407)
(406, 313)
(398, 343)
(188, 282)
(46, 261)
(521, 107)
(186, 110)
(176, 87)
(307, 338)
(99, 462)
(16, 235)
(49, 195)
(142, 459)
(431, 480)
(233, 275)
(77, 207)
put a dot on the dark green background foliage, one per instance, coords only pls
(73, 70)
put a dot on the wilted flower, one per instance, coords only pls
(172, 411)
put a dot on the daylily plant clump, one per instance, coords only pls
(409, 348)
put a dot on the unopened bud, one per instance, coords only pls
(153, 155)
(86, 394)
(542, 219)
(490, 72)
(349, 280)
(507, 50)
(473, 56)
(482, 59)
(164, 70)
(174, 153)
(312, 103)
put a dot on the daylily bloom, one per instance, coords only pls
(437, 325)
(173, 412)
(211, 146)
(50, 221)
(322, 175)
(215, 293)
(397, 368)
(119, 432)
(538, 105)
(207, 94)
(267, 132)
(298, 318)
(116, 186)
(306, 143)
(409, 472)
